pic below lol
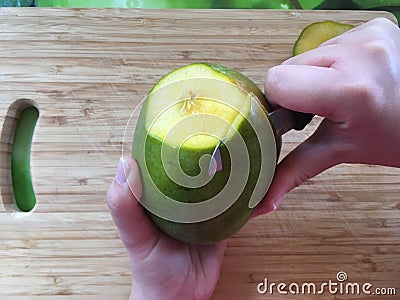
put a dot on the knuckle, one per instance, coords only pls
(376, 31)
(382, 21)
(360, 91)
(377, 47)
(361, 94)
(366, 99)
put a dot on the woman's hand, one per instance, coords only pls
(353, 81)
(162, 267)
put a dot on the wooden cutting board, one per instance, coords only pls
(87, 70)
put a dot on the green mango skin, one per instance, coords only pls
(221, 226)
(213, 230)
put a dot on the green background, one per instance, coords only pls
(389, 5)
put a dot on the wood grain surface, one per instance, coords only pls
(88, 70)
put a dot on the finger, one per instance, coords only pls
(306, 89)
(335, 49)
(357, 41)
(135, 228)
(310, 158)
(325, 56)
(380, 21)
(376, 28)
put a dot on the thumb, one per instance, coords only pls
(135, 227)
(318, 153)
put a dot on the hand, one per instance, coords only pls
(162, 267)
(353, 81)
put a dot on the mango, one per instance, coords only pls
(206, 152)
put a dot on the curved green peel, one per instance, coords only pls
(316, 33)
(20, 160)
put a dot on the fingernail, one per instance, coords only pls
(122, 171)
